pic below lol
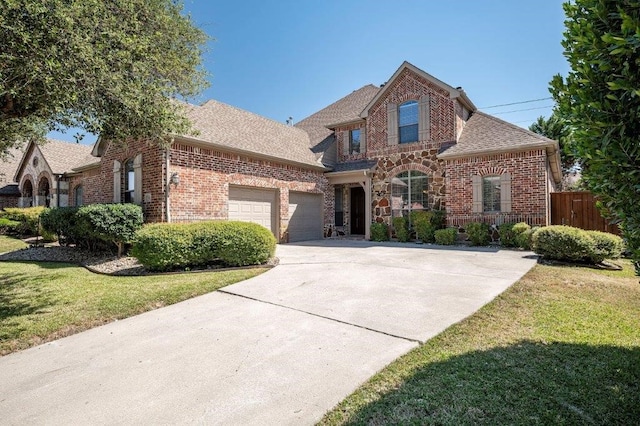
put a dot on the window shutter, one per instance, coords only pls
(363, 140)
(116, 181)
(137, 179)
(505, 193)
(392, 124)
(424, 121)
(345, 142)
(477, 193)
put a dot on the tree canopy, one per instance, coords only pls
(556, 128)
(600, 99)
(111, 67)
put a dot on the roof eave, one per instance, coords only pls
(347, 176)
(345, 123)
(226, 148)
(520, 148)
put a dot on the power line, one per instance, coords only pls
(517, 103)
(525, 109)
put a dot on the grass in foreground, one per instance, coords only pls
(562, 346)
(11, 244)
(40, 302)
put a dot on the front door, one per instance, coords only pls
(357, 211)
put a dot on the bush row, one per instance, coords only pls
(163, 247)
(562, 242)
(94, 225)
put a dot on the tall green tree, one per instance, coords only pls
(600, 98)
(111, 67)
(557, 128)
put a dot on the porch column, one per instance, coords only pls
(367, 208)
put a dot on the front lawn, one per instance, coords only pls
(562, 346)
(11, 244)
(40, 302)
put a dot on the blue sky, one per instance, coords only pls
(291, 58)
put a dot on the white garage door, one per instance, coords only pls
(305, 216)
(255, 205)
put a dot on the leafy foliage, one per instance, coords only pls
(446, 237)
(29, 219)
(62, 222)
(111, 68)
(557, 128)
(379, 232)
(164, 247)
(507, 235)
(401, 228)
(425, 223)
(600, 99)
(8, 226)
(111, 223)
(478, 233)
(573, 244)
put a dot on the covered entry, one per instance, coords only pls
(305, 216)
(255, 205)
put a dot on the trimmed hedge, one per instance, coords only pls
(446, 237)
(111, 223)
(525, 239)
(379, 232)
(562, 242)
(426, 222)
(62, 222)
(478, 233)
(507, 235)
(164, 247)
(8, 226)
(28, 217)
(401, 227)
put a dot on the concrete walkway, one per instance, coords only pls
(281, 348)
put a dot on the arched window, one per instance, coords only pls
(78, 196)
(408, 193)
(408, 122)
(129, 182)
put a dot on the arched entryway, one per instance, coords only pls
(27, 194)
(44, 192)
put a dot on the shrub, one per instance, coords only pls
(63, 222)
(111, 223)
(28, 217)
(421, 221)
(446, 237)
(163, 247)
(8, 226)
(520, 227)
(563, 243)
(507, 235)
(400, 226)
(524, 239)
(605, 246)
(379, 232)
(478, 233)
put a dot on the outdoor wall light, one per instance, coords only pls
(174, 179)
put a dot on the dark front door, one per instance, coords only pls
(357, 210)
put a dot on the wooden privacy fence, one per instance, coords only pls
(579, 209)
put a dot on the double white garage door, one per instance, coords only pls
(260, 206)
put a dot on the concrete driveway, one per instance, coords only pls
(281, 348)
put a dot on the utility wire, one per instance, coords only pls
(519, 110)
(517, 103)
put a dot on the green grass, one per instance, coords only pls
(40, 302)
(10, 244)
(562, 346)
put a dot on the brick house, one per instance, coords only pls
(415, 143)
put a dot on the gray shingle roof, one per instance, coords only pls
(484, 133)
(9, 165)
(227, 126)
(355, 165)
(342, 111)
(63, 156)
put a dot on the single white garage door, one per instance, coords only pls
(255, 205)
(305, 216)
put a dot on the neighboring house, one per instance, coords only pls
(415, 143)
(9, 192)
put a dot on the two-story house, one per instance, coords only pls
(415, 143)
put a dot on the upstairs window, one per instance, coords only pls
(354, 141)
(408, 122)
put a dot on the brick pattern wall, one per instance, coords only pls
(529, 179)
(98, 184)
(205, 176)
(342, 141)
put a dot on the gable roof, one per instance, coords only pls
(345, 110)
(226, 126)
(62, 157)
(454, 93)
(8, 167)
(485, 134)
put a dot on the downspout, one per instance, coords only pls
(167, 185)
(58, 177)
